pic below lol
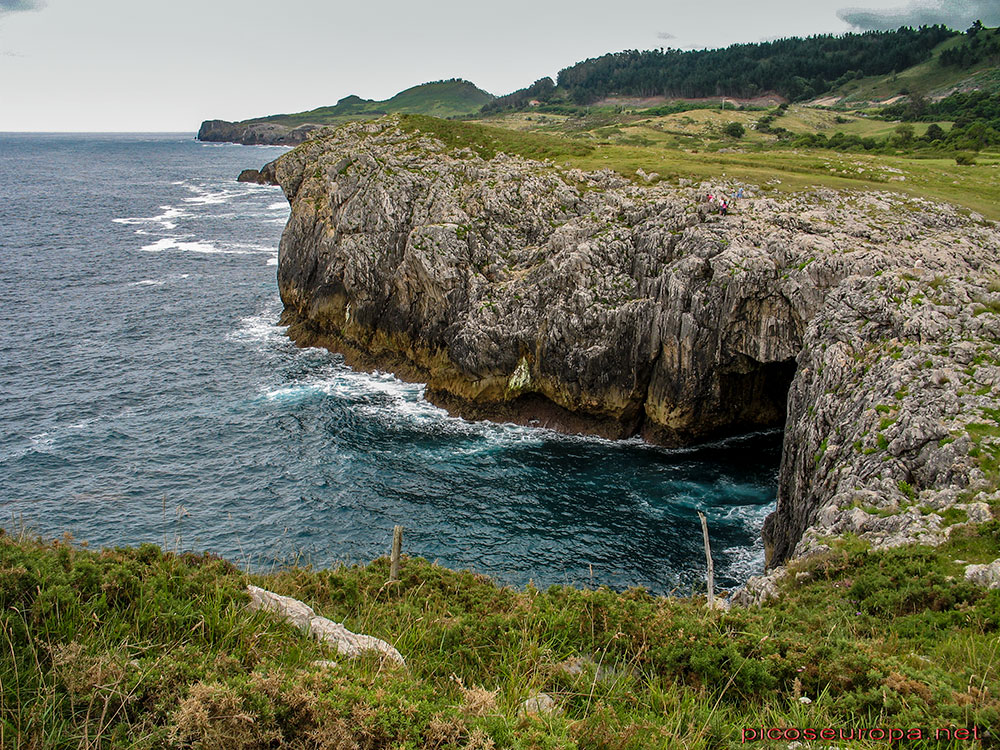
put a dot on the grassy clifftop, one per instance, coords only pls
(438, 99)
(142, 648)
(694, 145)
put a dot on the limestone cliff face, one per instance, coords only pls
(519, 291)
(253, 133)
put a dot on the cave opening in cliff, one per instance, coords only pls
(756, 393)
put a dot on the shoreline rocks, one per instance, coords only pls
(863, 322)
(263, 177)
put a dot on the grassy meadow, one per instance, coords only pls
(693, 145)
(144, 648)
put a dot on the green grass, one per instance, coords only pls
(139, 648)
(691, 145)
(487, 141)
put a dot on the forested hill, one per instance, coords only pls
(795, 68)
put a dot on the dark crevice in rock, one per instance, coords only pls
(756, 395)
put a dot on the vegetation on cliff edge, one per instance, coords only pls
(142, 648)
(694, 145)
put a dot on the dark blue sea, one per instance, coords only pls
(147, 395)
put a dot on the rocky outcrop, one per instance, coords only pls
(538, 704)
(265, 176)
(520, 291)
(335, 635)
(759, 589)
(253, 133)
(987, 576)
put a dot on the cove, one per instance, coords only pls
(148, 394)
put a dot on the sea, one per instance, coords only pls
(148, 394)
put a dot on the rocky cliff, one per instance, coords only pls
(253, 133)
(865, 323)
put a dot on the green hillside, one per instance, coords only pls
(946, 71)
(439, 99)
(848, 71)
(795, 68)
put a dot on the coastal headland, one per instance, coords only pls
(864, 322)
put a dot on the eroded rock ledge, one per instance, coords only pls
(525, 292)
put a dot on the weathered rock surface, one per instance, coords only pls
(759, 589)
(521, 291)
(539, 704)
(253, 133)
(263, 177)
(332, 633)
(987, 576)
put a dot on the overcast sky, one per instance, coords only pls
(139, 65)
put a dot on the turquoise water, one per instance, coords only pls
(146, 394)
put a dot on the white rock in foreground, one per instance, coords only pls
(987, 575)
(538, 704)
(303, 617)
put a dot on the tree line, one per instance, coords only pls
(981, 45)
(795, 68)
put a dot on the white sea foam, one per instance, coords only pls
(159, 282)
(491, 436)
(383, 396)
(254, 248)
(205, 197)
(408, 405)
(406, 399)
(175, 243)
(207, 248)
(262, 326)
(750, 516)
(281, 206)
(744, 561)
(50, 440)
(272, 261)
(395, 399)
(43, 442)
(165, 220)
(258, 329)
(293, 393)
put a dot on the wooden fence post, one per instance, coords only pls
(397, 548)
(708, 558)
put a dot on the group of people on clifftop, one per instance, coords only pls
(722, 202)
